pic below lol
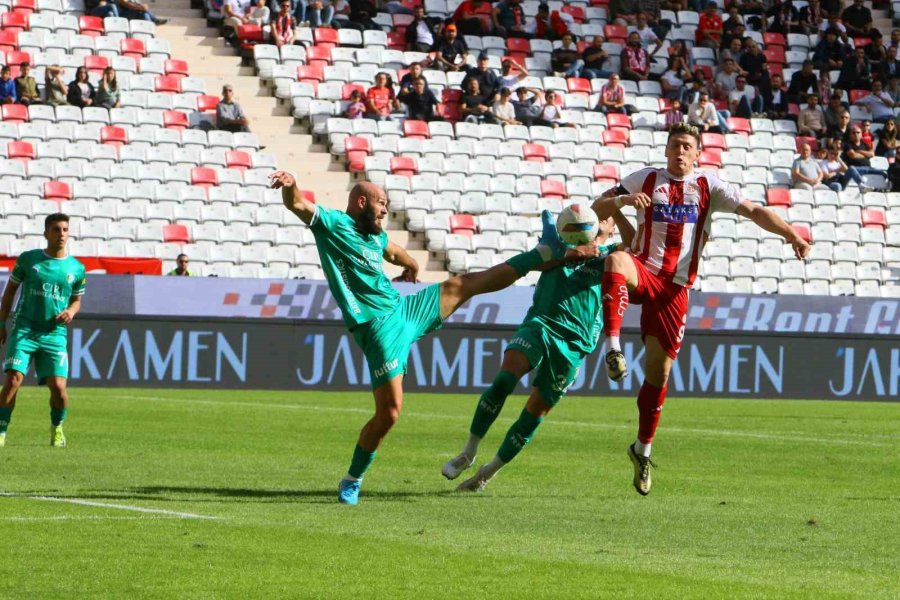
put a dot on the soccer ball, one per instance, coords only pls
(577, 224)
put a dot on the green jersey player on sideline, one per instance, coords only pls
(52, 286)
(352, 245)
(560, 329)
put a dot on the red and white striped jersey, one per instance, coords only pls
(672, 231)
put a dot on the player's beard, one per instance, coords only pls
(368, 222)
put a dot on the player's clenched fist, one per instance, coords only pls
(282, 179)
(637, 200)
(801, 247)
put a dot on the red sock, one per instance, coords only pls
(615, 301)
(650, 401)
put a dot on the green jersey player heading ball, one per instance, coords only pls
(352, 245)
(52, 285)
(560, 329)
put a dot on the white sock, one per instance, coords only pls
(642, 449)
(612, 343)
(471, 448)
(349, 477)
(492, 467)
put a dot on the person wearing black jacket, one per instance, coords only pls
(81, 91)
(419, 101)
(488, 82)
(890, 66)
(420, 33)
(855, 73)
(775, 97)
(803, 82)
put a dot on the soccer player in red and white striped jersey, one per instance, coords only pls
(674, 217)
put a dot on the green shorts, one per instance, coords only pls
(556, 365)
(47, 349)
(386, 340)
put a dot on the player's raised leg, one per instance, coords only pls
(59, 408)
(650, 402)
(515, 365)
(619, 278)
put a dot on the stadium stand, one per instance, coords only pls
(469, 193)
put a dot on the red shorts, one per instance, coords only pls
(664, 308)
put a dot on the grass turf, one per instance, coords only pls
(752, 499)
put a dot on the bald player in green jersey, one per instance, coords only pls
(52, 285)
(560, 329)
(352, 245)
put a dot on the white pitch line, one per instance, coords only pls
(84, 518)
(787, 437)
(128, 507)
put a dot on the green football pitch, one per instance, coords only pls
(200, 494)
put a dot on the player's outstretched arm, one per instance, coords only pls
(9, 295)
(291, 196)
(66, 316)
(772, 223)
(396, 255)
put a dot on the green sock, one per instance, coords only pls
(5, 417)
(518, 435)
(491, 402)
(362, 460)
(58, 415)
(526, 261)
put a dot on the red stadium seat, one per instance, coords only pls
(518, 45)
(9, 41)
(20, 150)
(874, 217)
(238, 159)
(111, 134)
(90, 26)
(778, 197)
(535, 153)
(774, 39)
(57, 190)
(450, 111)
(451, 95)
(25, 7)
(463, 225)
(348, 89)
(396, 41)
(404, 165)
(615, 137)
(855, 95)
(176, 234)
(175, 119)
(579, 85)
(813, 142)
(576, 12)
(318, 56)
(615, 33)
(417, 130)
(711, 157)
(310, 74)
(775, 55)
(326, 37)
(551, 188)
(177, 67)
(12, 21)
(713, 140)
(14, 113)
(308, 196)
(204, 177)
(803, 231)
(133, 47)
(95, 63)
(207, 103)
(17, 57)
(739, 125)
(249, 34)
(357, 149)
(618, 120)
(169, 84)
(608, 173)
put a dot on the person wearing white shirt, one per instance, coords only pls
(646, 33)
(508, 79)
(703, 115)
(504, 110)
(743, 99)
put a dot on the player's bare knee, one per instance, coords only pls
(57, 386)
(13, 380)
(617, 262)
(658, 374)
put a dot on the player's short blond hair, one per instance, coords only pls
(684, 129)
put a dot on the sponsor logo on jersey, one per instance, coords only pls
(70, 278)
(677, 214)
(386, 368)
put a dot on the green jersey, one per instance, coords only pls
(568, 302)
(353, 265)
(47, 286)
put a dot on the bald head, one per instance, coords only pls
(367, 205)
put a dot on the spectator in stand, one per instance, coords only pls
(259, 15)
(612, 98)
(652, 11)
(735, 33)
(879, 103)
(504, 110)
(673, 116)
(646, 34)
(234, 14)
(108, 95)
(136, 11)
(507, 78)
(893, 89)
(709, 31)
(509, 19)
(841, 130)
(81, 91)
(775, 98)
(703, 115)
(895, 39)
(857, 19)
(855, 73)
(823, 87)
(753, 64)
(284, 26)
(360, 16)
(55, 91)
(811, 121)
(315, 13)
(699, 85)
(419, 34)
(528, 107)
(673, 5)
(890, 66)
(858, 154)
(833, 21)
(734, 51)
(475, 106)
(624, 12)
(679, 49)
(876, 53)
(802, 82)
(593, 57)
(420, 101)
(451, 51)
(834, 110)
(837, 174)
(734, 18)
(7, 87)
(488, 82)
(357, 108)
(784, 18)
(549, 25)
(551, 114)
(102, 9)
(409, 78)
(726, 79)
(743, 101)
(806, 172)
(811, 17)
(830, 53)
(467, 17)
(887, 140)
(380, 100)
(675, 79)
(635, 60)
(181, 266)
(229, 115)
(867, 136)
(26, 86)
(566, 59)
